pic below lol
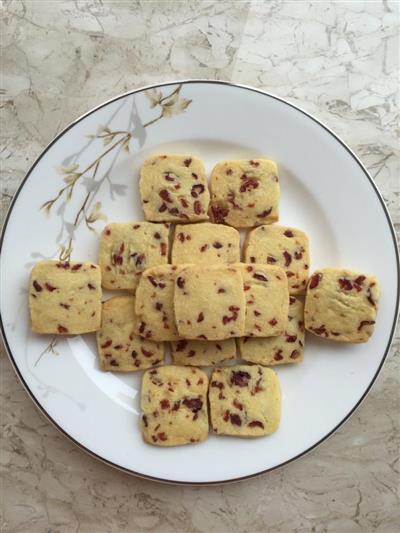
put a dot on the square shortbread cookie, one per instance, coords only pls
(245, 401)
(155, 303)
(245, 193)
(341, 305)
(206, 244)
(286, 348)
(174, 188)
(174, 406)
(65, 297)
(127, 249)
(209, 302)
(120, 349)
(202, 353)
(281, 246)
(267, 300)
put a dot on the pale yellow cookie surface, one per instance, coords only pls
(341, 305)
(206, 244)
(120, 349)
(65, 297)
(267, 299)
(174, 406)
(245, 193)
(174, 189)
(155, 303)
(281, 246)
(127, 249)
(202, 353)
(283, 349)
(209, 302)
(245, 401)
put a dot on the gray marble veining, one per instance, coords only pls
(337, 60)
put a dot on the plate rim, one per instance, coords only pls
(108, 462)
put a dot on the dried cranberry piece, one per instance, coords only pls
(164, 195)
(219, 213)
(271, 260)
(204, 248)
(145, 422)
(163, 248)
(369, 298)
(365, 323)
(157, 235)
(162, 436)
(197, 207)
(146, 353)
(298, 255)
(142, 327)
(314, 280)
(235, 420)
(181, 237)
(248, 184)
(163, 207)
(288, 258)
(278, 355)
(200, 318)
(273, 322)
(76, 267)
(184, 203)
(218, 385)
(221, 290)
(359, 280)
(345, 284)
(173, 211)
(256, 424)
(117, 259)
(254, 163)
(180, 282)
(194, 404)
(37, 286)
(159, 306)
(152, 281)
(288, 233)
(91, 286)
(187, 162)
(291, 338)
(62, 329)
(295, 354)
(240, 378)
(260, 277)
(321, 330)
(265, 213)
(197, 189)
(181, 345)
(106, 344)
(164, 403)
(217, 245)
(67, 306)
(229, 172)
(191, 353)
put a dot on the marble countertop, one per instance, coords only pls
(337, 60)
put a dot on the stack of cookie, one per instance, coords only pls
(186, 285)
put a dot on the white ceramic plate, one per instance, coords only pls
(325, 191)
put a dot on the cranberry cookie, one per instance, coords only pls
(126, 249)
(341, 305)
(245, 401)
(154, 303)
(65, 297)
(174, 406)
(284, 247)
(206, 244)
(174, 189)
(209, 302)
(267, 300)
(120, 349)
(202, 353)
(286, 348)
(245, 193)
